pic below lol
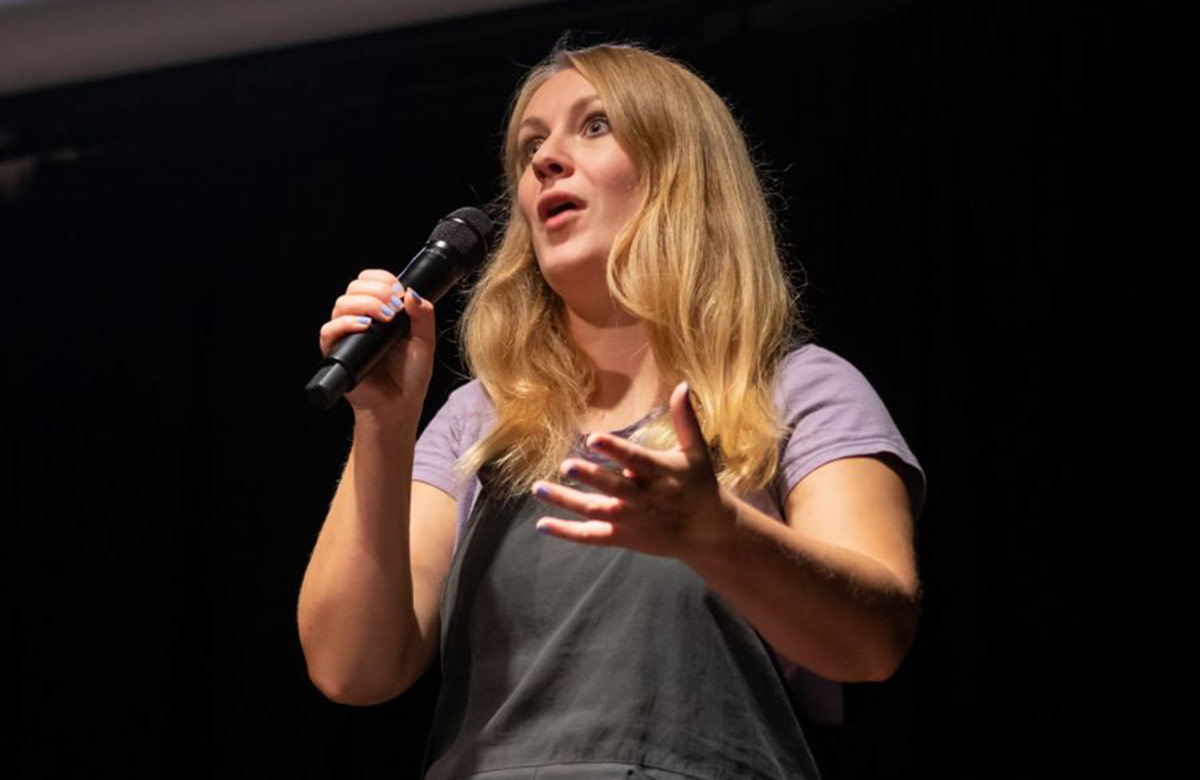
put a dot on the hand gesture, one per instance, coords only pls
(663, 502)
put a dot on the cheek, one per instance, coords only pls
(527, 200)
(625, 184)
(628, 200)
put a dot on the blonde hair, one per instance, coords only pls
(698, 265)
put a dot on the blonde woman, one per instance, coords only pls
(657, 523)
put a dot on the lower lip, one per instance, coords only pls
(560, 219)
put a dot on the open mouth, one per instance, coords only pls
(557, 203)
(560, 208)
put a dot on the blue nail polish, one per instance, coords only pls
(572, 472)
(398, 288)
(541, 492)
(363, 320)
(416, 295)
(397, 303)
(542, 529)
(387, 312)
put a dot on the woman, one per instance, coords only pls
(648, 501)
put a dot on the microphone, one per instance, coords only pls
(456, 247)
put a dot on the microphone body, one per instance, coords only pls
(456, 247)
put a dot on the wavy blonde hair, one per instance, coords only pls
(698, 265)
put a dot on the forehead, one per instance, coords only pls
(558, 94)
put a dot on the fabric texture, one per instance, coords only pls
(831, 412)
(830, 408)
(560, 656)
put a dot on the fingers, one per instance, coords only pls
(635, 458)
(378, 275)
(369, 305)
(687, 425)
(375, 295)
(592, 505)
(589, 531)
(384, 286)
(420, 313)
(606, 481)
(336, 329)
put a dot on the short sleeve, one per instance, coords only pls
(832, 411)
(447, 436)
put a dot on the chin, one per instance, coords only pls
(572, 270)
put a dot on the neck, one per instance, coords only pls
(628, 382)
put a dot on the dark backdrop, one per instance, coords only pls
(172, 242)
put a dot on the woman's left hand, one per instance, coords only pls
(663, 502)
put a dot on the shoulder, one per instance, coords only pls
(469, 398)
(830, 411)
(462, 416)
(811, 376)
(459, 422)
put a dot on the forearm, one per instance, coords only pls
(356, 614)
(834, 611)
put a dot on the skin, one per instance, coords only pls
(570, 148)
(834, 588)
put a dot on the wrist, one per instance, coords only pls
(386, 423)
(718, 534)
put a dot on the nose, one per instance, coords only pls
(551, 159)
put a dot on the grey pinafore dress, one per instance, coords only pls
(565, 660)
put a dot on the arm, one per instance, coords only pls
(835, 589)
(368, 611)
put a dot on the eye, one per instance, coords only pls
(528, 149)
(597, 124)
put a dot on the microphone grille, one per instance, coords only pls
(465, 230)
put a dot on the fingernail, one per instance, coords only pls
(397, 303)
(542, 529)
(540, 491)
(571, 472)
(416, 295)
(398, 288)
(363, 320)
(387, 312)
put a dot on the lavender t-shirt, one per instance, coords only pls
(830, 409)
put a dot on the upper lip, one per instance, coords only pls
(552, 200)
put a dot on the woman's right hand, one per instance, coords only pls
(398, 383)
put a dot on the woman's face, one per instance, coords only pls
(578, 187)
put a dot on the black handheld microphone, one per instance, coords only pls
(456, 246)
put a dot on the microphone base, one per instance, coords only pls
(328, 384)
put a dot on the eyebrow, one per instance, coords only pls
(572, 110)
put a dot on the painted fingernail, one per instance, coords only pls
(397, 303)
(387, 312)
(416, 295)
(542, 529)
(571, 472)
(540, 491)
(398, 288)
(363, 320)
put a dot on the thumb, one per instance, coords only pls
(420, 315)
(687, 425)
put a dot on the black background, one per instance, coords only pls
(174, 240)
